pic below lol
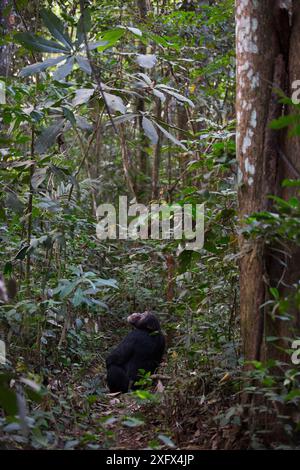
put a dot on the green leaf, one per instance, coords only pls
(145, 78)
(146, 61)
(166, 440)
(159, 95)
(78, 298)
(95, 45)
(122, 119)
(292, 395)
(135, 31)
(64, 70)
(99, 303)
(38, 177)
(111, 38)
(48, 137)
(106, 283)
(66, 290)
(161, 41)
(84, 64)
(284, 121)
(171, 137)
(37, 43)
(132, 422)
(275, 292)
(69, 115)
(287, 183)
(56, 28)
(82, 95)
(83, 124)
(40, 66)
(150, 130)
(176, 95)
(115, 103)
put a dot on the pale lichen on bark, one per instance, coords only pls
(247, 79)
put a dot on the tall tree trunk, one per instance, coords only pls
(6, 23)
(143, 7)
(182, 123)
(156, 156)
(268, 40)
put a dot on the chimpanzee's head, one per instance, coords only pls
(144, 321)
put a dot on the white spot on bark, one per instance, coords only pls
(246, 36)
(247, 140)
(246, 143)
(239, 176)
(255, 81)
(254, 24)
(249, 168)
(246, 28)
(244, 67)
(250, 181)
(253, 120)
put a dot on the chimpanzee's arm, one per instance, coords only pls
(123, 352)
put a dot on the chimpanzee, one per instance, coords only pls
(142, 348)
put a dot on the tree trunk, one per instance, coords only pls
(6, 23)
(182, 123)
(143, 7)
(268, 36)
(156, 156)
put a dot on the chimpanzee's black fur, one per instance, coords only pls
(142, 348)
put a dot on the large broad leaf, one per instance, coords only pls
(176, 95)
(84, 64)
(69, 115)
(78, 298)
(171, 137)
(82, 95)
(64, 70)
(106, 283)
(37, 43)
(145, 78)
(159, 95)
(56, 28)
(111, 38)
(94, 45)
(83, 124)
(135, 31)
(66, 290)
(150, 130)
(40, 66)
(115, 103)
(38, 177)
(147, 61)
(48, 137)
(122, 119)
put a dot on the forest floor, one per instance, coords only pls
(167, 415)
